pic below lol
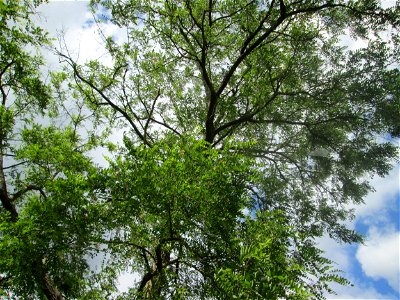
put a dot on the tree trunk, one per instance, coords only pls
(51, 292)
(47, 287)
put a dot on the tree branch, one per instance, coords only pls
(166, 126)
(249, 116)
(234, 12)
(107, 99)
(15, 165)
(248, 48)
(258, 29)
(28, 188)
(6, 202)
(150, 113)
(3, 92)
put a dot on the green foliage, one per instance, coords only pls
(247, 132)
(19, 69)
(43, 173)
(186, 202)
(270, 266)
(53, 224)
(274, 261)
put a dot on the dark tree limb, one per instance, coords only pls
(6, 201)
(163, 123)
(150, 113)
(28, 188)
(3, 92)
(105, 97)
(15, 165)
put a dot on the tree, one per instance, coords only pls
(247, 131)
(264, 79)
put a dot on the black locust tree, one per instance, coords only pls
(198, 85)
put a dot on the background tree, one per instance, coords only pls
(43, 170)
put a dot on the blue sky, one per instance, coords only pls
(373, 268)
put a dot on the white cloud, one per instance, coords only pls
(60, 17)
(58, 14)
(379, 257)
(388, 3)
(338, 253)
(352, 43)
(127, 280)
(379, 202)
(74, 23)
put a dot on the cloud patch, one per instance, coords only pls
(379, 257)
(382, 201)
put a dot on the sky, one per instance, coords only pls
(373, 267)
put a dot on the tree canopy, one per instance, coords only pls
(248, 131)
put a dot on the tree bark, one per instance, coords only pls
(51, 292)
